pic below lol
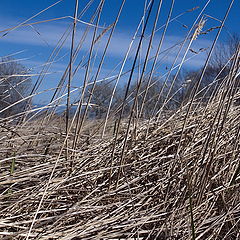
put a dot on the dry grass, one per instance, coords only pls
(172, 176)
(151, 197)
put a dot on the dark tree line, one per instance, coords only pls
(159, 94)
(154, 94)
(15, 85)
(217, 70)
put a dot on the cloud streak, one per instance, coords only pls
(47, 35)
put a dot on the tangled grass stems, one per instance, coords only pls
(174, 175)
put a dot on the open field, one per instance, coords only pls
(129, 161)
(155, 191)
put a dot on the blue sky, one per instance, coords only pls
(32, 45)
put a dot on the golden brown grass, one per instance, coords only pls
(172, 176)
(149, 200)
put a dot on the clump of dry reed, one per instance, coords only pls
(173, 176)
(154, 194)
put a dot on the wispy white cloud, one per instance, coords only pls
(47, 35)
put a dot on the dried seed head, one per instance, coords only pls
(199, 28)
